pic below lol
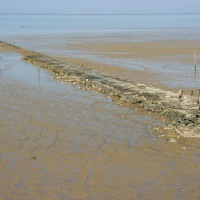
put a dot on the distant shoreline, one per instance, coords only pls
(90, 14)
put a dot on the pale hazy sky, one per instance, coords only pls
(100, 6)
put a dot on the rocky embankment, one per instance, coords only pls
(183, 117)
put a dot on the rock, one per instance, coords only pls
(160, 136)
(134, 100)
(173, 122)
(141, 104)
(123, 98)
(158, 109)
(190, 124)
(172, 140)
(156, 128)
(195, 124)
(181, 125)
(177, 119)
(197, 115)
(146, 106)
(198, 121)
(169, 126)
(186, 121)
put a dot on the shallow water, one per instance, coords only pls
(165, 62)
(169, 57)
(59, 142)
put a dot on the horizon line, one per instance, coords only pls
(49, 13)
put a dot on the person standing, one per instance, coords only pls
(180, 95)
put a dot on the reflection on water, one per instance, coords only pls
(164, 54)
(58, 142)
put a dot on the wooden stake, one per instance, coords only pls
(195, 63)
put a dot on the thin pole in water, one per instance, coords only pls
(33, 48)
(195, 63)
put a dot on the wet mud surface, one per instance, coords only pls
(59, 142)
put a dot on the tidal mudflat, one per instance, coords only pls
(59, 142)
(183, 116)
(164, 59)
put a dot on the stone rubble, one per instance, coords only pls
(184, 117)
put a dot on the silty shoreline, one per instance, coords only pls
(183, 117)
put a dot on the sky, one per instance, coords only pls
(100, 6)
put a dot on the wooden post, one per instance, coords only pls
(33, 48)
(195, 63)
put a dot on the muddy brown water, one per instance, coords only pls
(59, 142)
